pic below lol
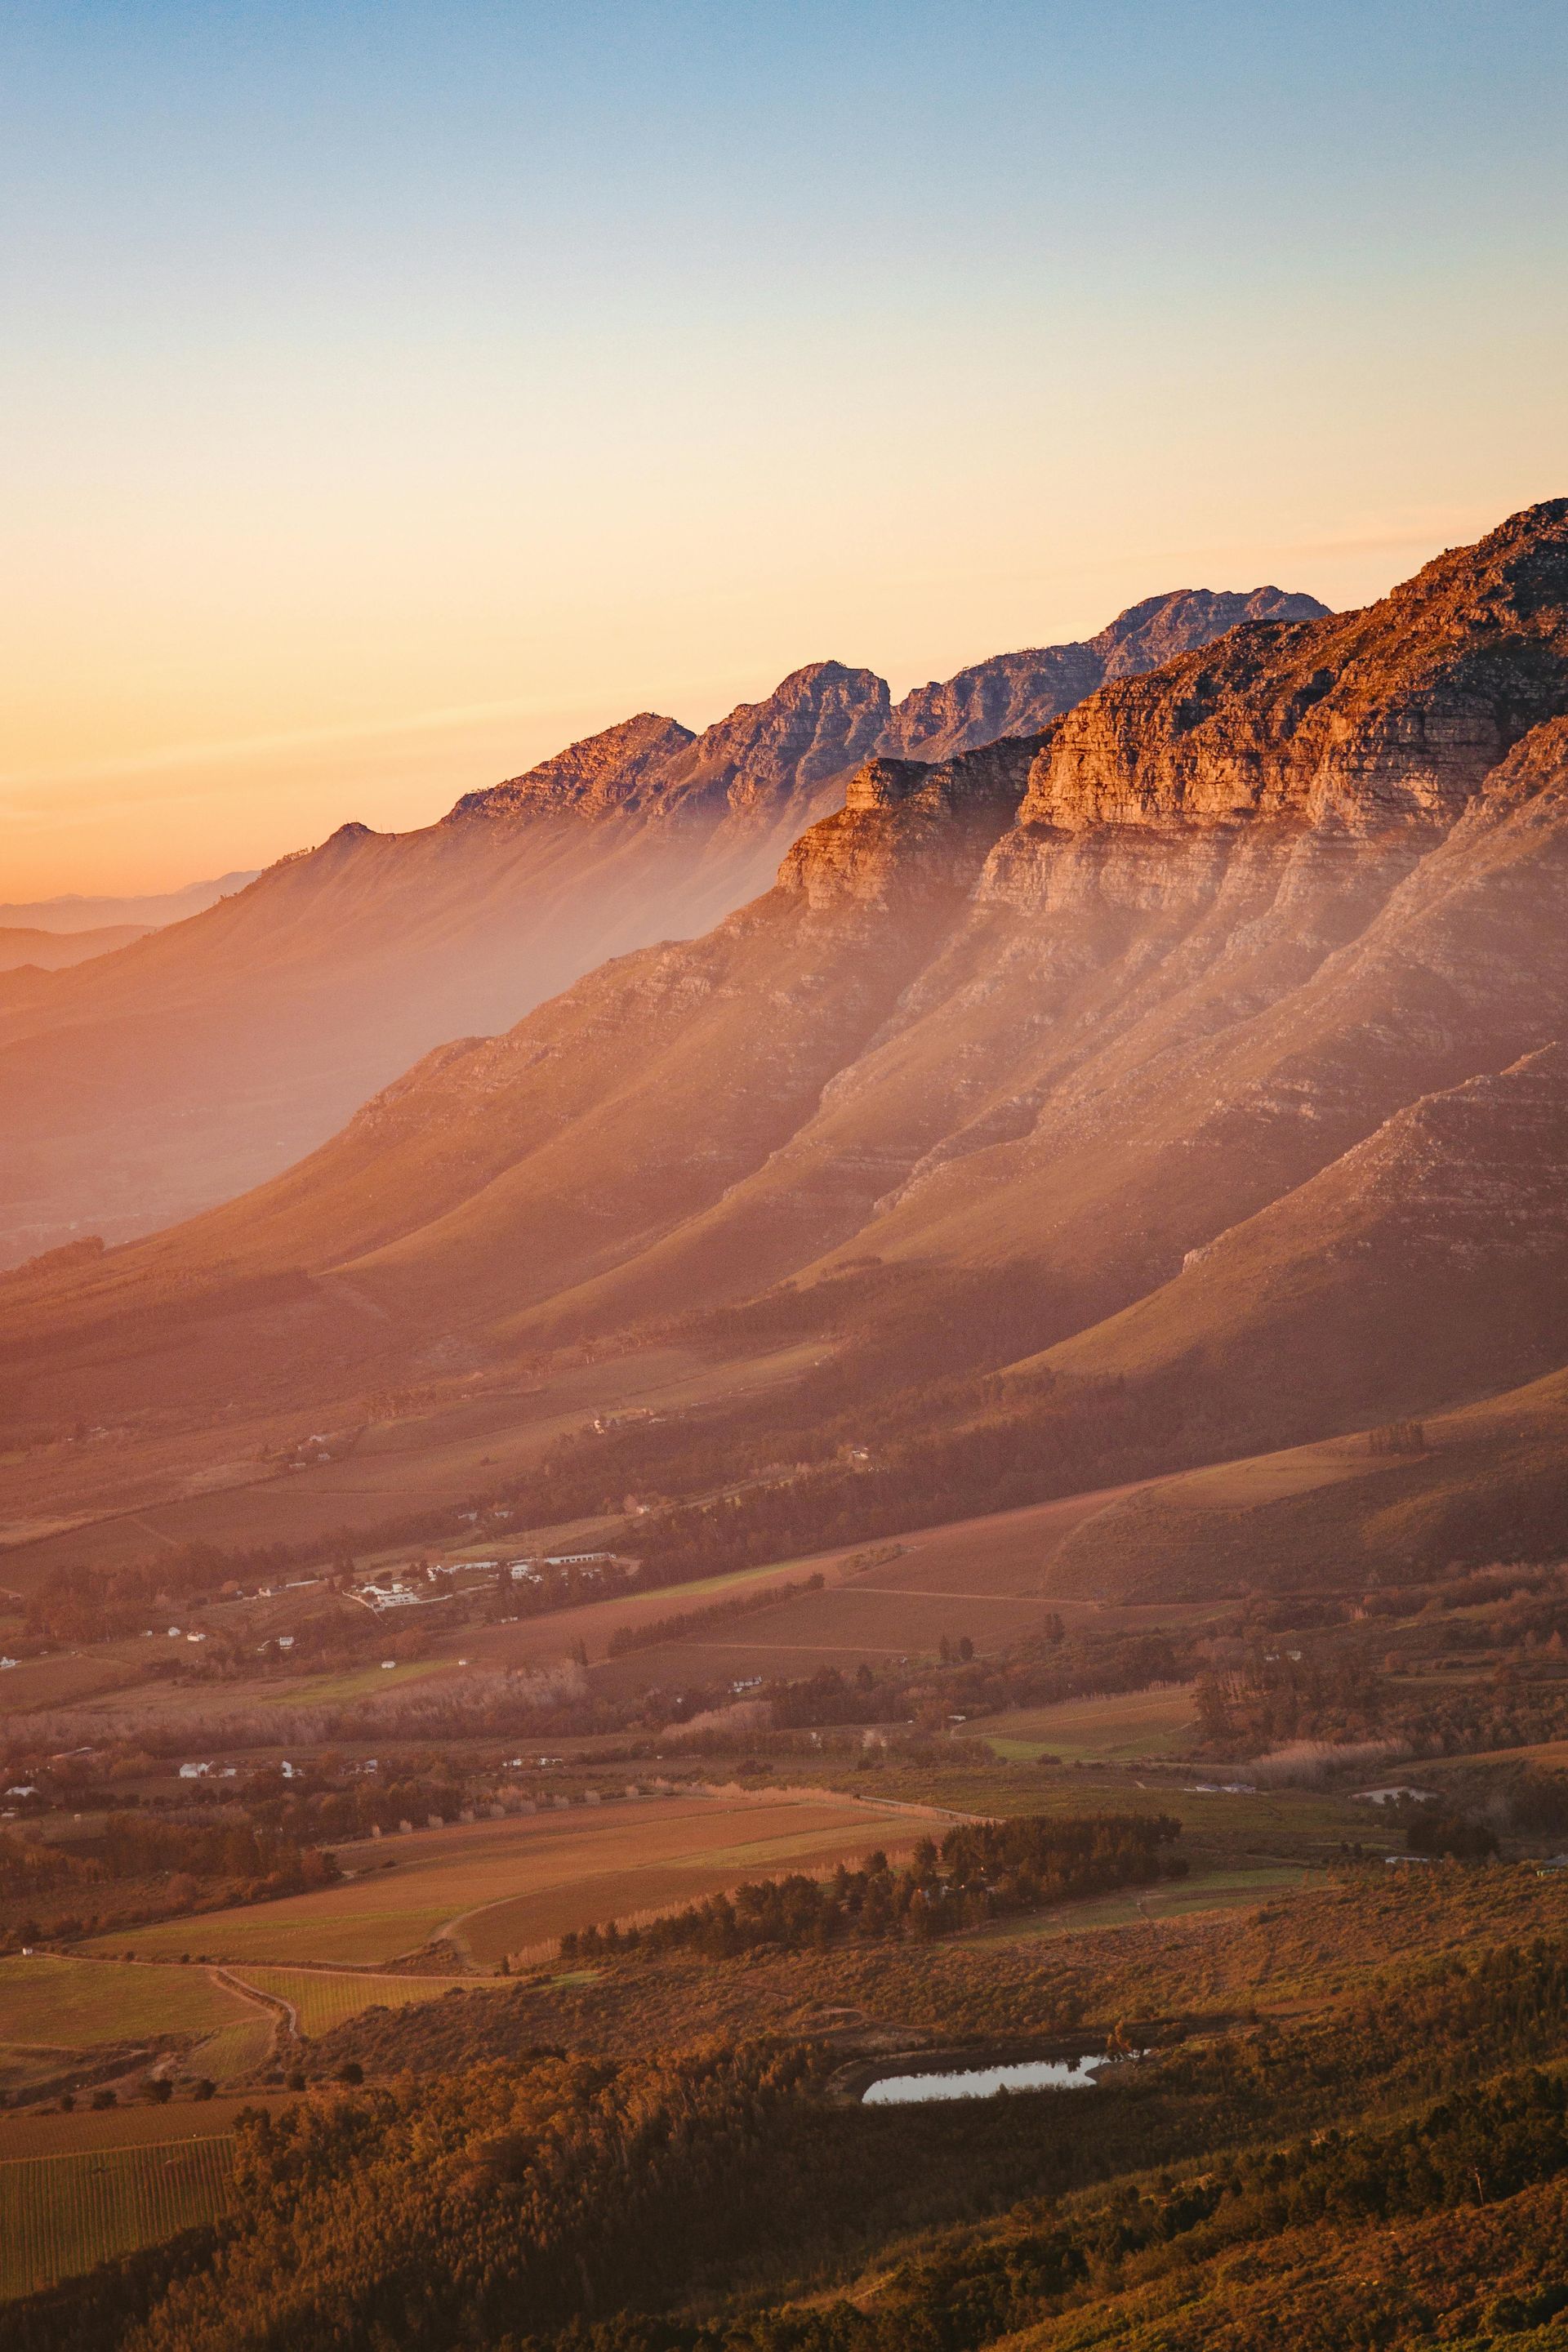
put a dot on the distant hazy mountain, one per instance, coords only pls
(74, 913)
(205, 1058)
(54, 951)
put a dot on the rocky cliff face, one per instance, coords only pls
(1393, 714)
(909, 826)
(770, 756)
(1020, 693)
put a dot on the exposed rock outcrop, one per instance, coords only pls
(606, 773)
(1020, 693)
(910, 826)
(1394, 713)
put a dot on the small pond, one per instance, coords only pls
(984, 2082)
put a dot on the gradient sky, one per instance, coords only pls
(391, 393)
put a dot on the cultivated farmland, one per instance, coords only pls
(60, 2214)
(55, 2011)
(493, 1887)
(1117, 1725)
(987, 1577)
(322, 1997)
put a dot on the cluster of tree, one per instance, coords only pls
(981, 1871)
(85, 1604)
(1397, 1437)
(1277, 1696)
(975, 2290)
(354, 1807)
(1474, 1718)
(566, 1585)
(999, 1456)
(502, 1704)
(1538, 1803)
(504, 2201)
(1052, 1665)
(1443, 1834)
(136, 1844)
(654, 1631)
(28, 1867)
(1035, 1672)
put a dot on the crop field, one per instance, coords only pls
(323, 1998)
(987, 1578)
(636, 1883)
(357, 1682)
(52, 2003)
(233, 2050)
(61, 2214)
(62, 1681)
(1206, 1890)
(90, 2130)
(500, 1887)
(1120, 1725)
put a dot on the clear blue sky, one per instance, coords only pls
(389, 393)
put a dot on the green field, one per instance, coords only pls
(322, 1997)
(52, 2003)
(1122, 1725)
(354, 1682)
(234, 2051)
(1206, 1890)
(61, 2214)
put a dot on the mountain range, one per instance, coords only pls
(1180, 1075)
(199, 1060)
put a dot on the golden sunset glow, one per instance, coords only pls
(393, 398)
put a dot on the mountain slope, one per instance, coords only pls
(196, 1063)
(1074, 1006)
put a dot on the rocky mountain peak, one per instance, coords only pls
(1157, 630)
(816, 724)
(617, 768)
(780, 760)
(1020, 693)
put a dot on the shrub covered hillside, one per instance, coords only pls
(1392, 2171)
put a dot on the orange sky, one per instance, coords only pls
(392, 394)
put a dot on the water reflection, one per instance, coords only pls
(984, 2082)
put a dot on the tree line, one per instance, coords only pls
(981, 1871)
